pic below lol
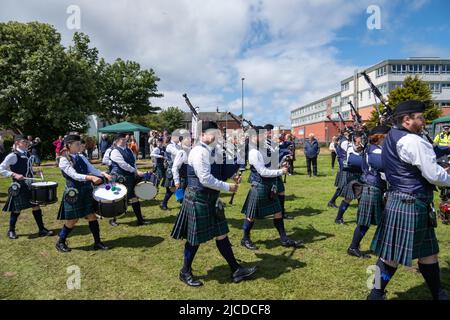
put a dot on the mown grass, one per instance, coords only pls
(144, 261)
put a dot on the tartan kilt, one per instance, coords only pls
(337, 180)
(346, 183)
(168, 178)
(198, 220)
(280, 185)
(370, 207)
(160, 173)
(130, 182)
(258, 204)
(404, 233)
(84, 205)
(19, 202)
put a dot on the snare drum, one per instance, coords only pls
(112, 199)
(44, 192)
(147, 190)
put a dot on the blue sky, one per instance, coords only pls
(290, 52)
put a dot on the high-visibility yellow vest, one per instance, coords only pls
(442, 139)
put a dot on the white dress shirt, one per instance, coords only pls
(156, 153)
(256, 159)
(67, 168)
(107, 157)
(117, 158)
(199, 160)
(10, 160)
(415, 150)
(173, 148)
(180, 159)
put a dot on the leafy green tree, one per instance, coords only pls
(413, 89)
(172, 118)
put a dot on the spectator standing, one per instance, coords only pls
(311, 151)
(332, 149)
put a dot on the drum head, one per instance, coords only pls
(145, 190)
(109, 193)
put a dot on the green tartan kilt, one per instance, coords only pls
(404, 233)
(258, 204)
(19, 202)
(198, 220)
(370, 207)
(280, 185)
(84, 205)
(168, 178)
(346, 183)
(338, 179)
(160, 173)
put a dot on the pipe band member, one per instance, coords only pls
(263, 197)
(179, 167)
(370, 205)
(341, 154)
(202, 217)
(406, 231)
(158, 156)
(79, 174)
(171, 151)
(350, 174)
(19, 165)
(123, 164)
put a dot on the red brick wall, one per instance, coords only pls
(323, 131)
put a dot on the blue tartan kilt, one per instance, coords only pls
(258, 203)
(198, 220)
(338, 179)
(405, 232)
(160, 173)
(19, 202)
(370, 207)
(346, 182)
(168, 178)
(84, 205)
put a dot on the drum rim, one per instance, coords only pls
(34, 184)
(109, 201)
(142, 183)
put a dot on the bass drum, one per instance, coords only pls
(111, 199)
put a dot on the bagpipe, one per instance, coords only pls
(444, 194)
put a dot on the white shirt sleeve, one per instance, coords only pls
(106, 158)
(180, 158)
(255, 158)
(414, 150)
(67, 168)
(117, 158)
(10, 160)
(91, 169)
(156, 153)
(172, 149)
(344, 145)
(199, 160)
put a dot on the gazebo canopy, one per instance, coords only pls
(124, 127)
(439, 122)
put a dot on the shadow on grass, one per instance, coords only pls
(129, 242)
(291, 197)
(308, 235)
(306, 211)
(270, 267)
(422, 292)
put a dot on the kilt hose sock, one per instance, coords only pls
(282, 197)
(37, 214)
(358, 235)
(137, 210)
(248, 225)
(13, 220)
(226, 251)
(95, 230)
(167, 196)
(432, 276)
(64, 233)
(189, 254)
(335, 195)
(342, 208)
(385, 275)
(279, 225)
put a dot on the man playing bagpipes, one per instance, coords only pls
(171, 151)
(202, 217)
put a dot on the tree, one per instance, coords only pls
(172, 118)
(413, 89)
(126, 90)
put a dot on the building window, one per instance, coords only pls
(435, 87)
(416, 68)
(345, 86)
(381, 71)
(446, 85)
(432, 68)
(446, 68)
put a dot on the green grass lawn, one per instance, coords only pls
(144, 261)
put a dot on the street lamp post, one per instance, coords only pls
(242, 91)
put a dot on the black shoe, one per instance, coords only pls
(188, 278)
(113, 223)
(163, 206)
(292, 243)
(45, 233)
(143, 222)
(12, 235)
(339, 221)
(375, 295)
(248, 244)
(332, 205)
(288, 217)
(356, 253)
(100, 246)
(242, 274)
(62, 247)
